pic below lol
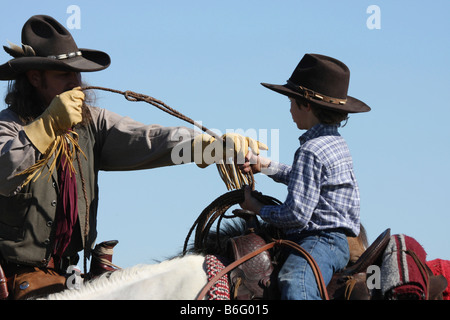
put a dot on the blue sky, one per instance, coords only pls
(207, 60)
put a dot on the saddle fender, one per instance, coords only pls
(252, 279)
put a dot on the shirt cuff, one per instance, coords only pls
(277, 171)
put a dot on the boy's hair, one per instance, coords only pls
(325, 116)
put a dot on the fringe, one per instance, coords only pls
(233, 177)
(64, 144)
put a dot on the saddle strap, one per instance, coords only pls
(315, 268)
(423, 271)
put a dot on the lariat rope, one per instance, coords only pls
(66, 146)
(230, 175)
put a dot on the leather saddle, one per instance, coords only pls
(256, 278)
(252, 280)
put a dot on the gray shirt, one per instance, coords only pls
(121, 144)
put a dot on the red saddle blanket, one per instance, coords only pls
(441, 267)
(401, 277)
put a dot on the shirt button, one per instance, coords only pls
(49, 223)
(54, 203)
(47, 241)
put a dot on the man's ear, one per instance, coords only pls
(35, 78)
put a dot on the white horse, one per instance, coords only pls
(180, 278)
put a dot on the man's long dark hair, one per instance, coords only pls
(23, 99)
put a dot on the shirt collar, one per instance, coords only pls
(319, 130)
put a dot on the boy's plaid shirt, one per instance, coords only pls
(322, 189)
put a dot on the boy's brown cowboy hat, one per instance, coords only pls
(47, 45)
(322, 80)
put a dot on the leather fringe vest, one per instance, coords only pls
(27, 218)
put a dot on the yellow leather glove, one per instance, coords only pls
(237, 146)
(200, 143)
(62, 114)
(207, 150)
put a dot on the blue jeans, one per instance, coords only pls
(296, 279)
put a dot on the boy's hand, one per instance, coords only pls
(253, 163)
(250, 203)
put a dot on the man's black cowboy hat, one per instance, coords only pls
(322, 80)
(47, 45)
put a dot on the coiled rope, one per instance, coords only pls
(216, 210)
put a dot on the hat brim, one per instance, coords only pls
(89, 61)
(352, 105)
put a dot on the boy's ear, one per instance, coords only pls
(307, 106)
